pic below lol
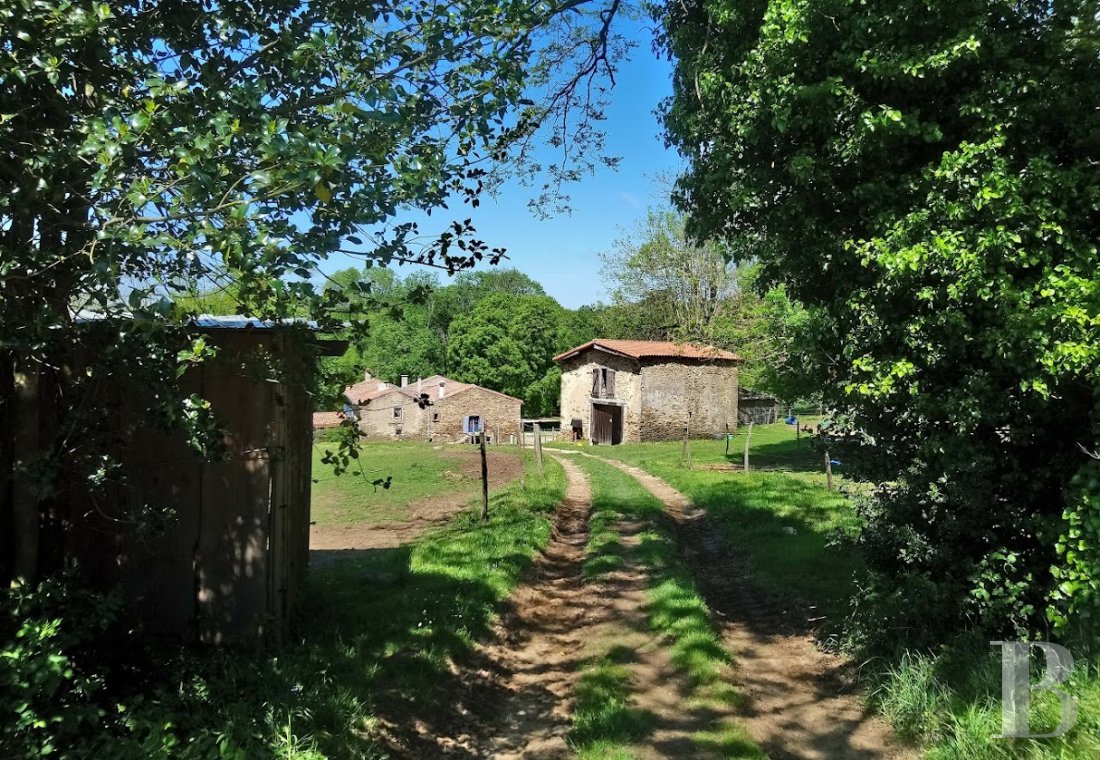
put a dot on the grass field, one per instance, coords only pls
(415, 471)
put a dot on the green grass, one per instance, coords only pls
(604, 720)
(756, 511)
(376, 639)
(416, 471)
(949, 701)
(674, 608)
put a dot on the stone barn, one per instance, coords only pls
(435, 408)
(627, 391)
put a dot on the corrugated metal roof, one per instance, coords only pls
(208, 321)
(652, 349)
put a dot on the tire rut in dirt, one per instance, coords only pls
(510, 697)
(801, 702)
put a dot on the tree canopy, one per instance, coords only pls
(494, 328)
(923, 178)
(666, 285)
(152, 150)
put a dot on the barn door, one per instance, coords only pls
(602, 424)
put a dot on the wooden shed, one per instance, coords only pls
(228, 556)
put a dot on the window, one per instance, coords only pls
(435, 416)
(472, 424)
(603, 383)
(397, 412)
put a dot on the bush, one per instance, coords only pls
(50, 697)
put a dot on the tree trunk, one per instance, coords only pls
(25, 437)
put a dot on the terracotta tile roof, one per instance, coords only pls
(430, 386)
(327, 419)
(652, 349)
(365, 390)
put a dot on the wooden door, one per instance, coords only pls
(616, 425)
(602, 424)
(607, 424)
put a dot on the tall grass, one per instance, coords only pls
(951, 703)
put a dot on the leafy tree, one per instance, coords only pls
(467, 288)
(144, 146)
(506, 342)
(923, 178)
(665, 286)
(685, 285)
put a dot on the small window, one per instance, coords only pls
(397, 412)
(473, 424)
(435, 416)
(603, 383)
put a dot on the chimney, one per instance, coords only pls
(419, 385)
(442, 389)
(381, 385)
(404, 380)
(367, 376)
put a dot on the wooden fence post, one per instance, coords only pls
(748, 437)
(484, 481)
(685, 457)
(828, 471)
(538, 447)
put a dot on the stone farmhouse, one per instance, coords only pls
(435, 408)
(626, 391)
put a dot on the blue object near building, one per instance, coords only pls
(791, 420)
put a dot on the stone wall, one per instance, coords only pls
(378, 421)
(670, 390)
(446, 414)
(576, 391)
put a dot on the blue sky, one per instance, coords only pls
(562, 252)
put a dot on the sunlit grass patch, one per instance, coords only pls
(728, 740)
(604, 714)
(412, 470)
(677, 611)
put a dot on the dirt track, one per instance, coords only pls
(801, 702)
(513, 697)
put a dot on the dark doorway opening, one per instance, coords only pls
(607, 424)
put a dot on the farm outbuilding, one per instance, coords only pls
(625, 391)
(757, 408)
(229, 544)
(435, 408)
